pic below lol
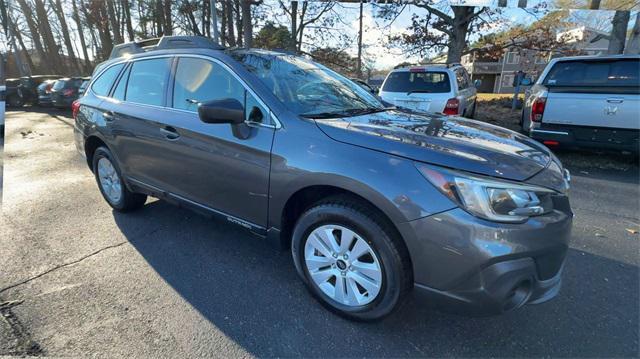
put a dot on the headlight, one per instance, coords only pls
(495, 200)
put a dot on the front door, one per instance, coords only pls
(221, 166)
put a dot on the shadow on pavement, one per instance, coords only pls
(252, 294)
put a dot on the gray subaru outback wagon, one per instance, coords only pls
(374, 202)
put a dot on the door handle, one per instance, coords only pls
(170, 133)
(108, 116)
(615, 100)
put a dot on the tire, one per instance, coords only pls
(386, 249)
(119, 198)
(473, 111)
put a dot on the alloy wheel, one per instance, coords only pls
(343, 265)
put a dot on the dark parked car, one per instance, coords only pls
(65, 91)
(84, 85)
(44, 93)
(372, 201)
(24, 90)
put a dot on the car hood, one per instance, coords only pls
(452, 142)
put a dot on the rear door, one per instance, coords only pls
(135, 115)
(466, 92)
(417, 89)
(594, 93)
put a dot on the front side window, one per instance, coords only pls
(147, 81)
(199, 80)
(418, 82)
(102, 85)
(305, 87)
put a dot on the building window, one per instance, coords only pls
(507, 80)
(513, 58)
(541, 59)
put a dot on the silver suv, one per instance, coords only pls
(586, 101)
(445, 88)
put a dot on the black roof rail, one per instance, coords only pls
(163, 43)
(448, 65)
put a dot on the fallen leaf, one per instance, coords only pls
(632, 231)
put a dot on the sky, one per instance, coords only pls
(377, 31)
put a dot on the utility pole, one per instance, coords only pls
(214, 22)
(359, 68)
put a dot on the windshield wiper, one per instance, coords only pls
(345, 113)
(418, 91)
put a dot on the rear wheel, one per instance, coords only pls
(109, 179)
(350, 260)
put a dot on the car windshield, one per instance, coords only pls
(417, 82)
(307, 88)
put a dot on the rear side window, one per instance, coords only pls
(617, 73)
(147, 81)
(425, 82)
(199, 80)
(103, 84)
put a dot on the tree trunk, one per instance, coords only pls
(206, 19)
(458, 37)
(14, 30)
(158, 18)
(618, 32)
(359, 65)
(247, 30)
(76, 18)
(168, 25)
(231, 36)
(633, 46)
(50, 44)
(35, 35)
(57, 5)
(127, 18)
(113, 20)
(294, 24)
(595, 5)
(502, 3)
(223, 24)
(238, 22)
(522, 3)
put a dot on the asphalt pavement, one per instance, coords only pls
(78, 279)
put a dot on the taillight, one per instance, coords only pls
(68, 92)
(451, 108)
(75, 107)
(537, 109)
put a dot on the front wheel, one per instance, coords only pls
(109, 179)
(350, 260)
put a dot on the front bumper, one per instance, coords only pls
(469, 265)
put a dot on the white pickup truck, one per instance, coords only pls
(586, 101)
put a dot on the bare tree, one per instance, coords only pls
(618, 32)
(57, 7)
(35, 35)
(633, 46)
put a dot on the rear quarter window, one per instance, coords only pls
(102, 85)
(426, 82)
(598, 73)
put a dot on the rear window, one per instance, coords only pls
(617, 73)
(425, 82)
(59, 85)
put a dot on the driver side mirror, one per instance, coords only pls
(227, 110)
(477, 83)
